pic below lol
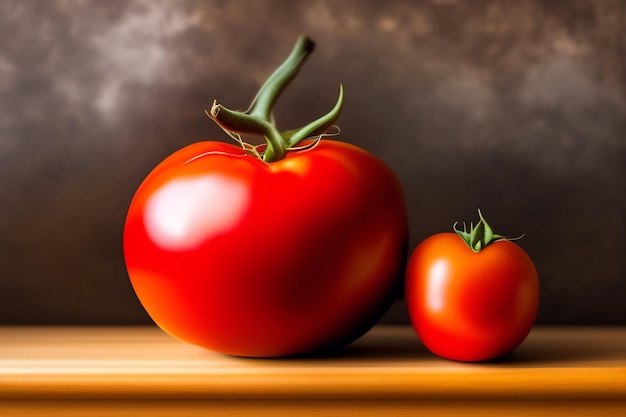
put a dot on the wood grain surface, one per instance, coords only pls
(113, 370)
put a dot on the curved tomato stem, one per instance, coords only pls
(479, 236)
(258, 119)
(272, 88)
(241, 122)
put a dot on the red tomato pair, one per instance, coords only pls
(299, 246)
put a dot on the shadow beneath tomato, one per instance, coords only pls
(383, 343)
(562, 347)
(368, 351)
(389, 349)
(544, 348)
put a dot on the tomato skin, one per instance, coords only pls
(469, 306)
(253, 259)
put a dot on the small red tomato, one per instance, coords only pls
(471, 296)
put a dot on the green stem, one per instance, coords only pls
(241, 122)
(257, 119)
(480, 235)
(272, 88)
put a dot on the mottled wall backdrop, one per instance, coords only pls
(518, 108)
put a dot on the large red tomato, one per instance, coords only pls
(471, 297)
(255, 259)
(252, 257)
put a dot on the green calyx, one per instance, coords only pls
(258, 118)
(479, 236)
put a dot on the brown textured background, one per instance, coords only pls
(518, 108)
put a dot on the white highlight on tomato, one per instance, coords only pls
(186, 212)
(437, 276)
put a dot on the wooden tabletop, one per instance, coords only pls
(573, 370)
